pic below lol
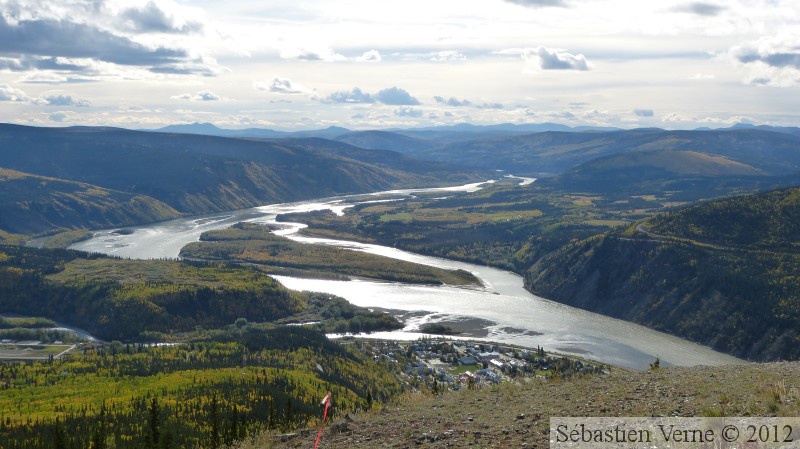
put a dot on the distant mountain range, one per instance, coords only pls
(72, 177)
(200, 168)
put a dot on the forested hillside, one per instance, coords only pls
(204, 394)
(30, 204)
(188, 174)
(722, 274)
(157, 299)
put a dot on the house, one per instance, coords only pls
(467, 361)
(489, 355)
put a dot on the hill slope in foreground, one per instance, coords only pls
(518, 415)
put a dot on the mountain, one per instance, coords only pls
(722, 274)
(778, 129)
(209, 129)
(198, 174)
(32, 204)
(554, 152)
(384, 140)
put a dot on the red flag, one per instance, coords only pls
(326, 401)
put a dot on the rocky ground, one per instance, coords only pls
(517, 415)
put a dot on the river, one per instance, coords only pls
(501, 311)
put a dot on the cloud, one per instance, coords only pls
(546, 59)
(557, 60)
(8, 93)
(59, 116)
(396, 96)
(151, 18)
(772, 60)
(312, 54)
(407, 111)
(643, 112)
(203, 95)
(63, 38)
(435, 56)
(370, 56)
(491, 106)
(702, 76)
(447, 56)
(280, 86)
(64, 100)
(538, 3)
(354, 96)
(50, 43)
(53, 78)
(453, 101)
(700, 9)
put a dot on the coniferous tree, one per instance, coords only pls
(155, 423)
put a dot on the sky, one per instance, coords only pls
(366, 64)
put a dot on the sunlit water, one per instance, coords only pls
(501, 311)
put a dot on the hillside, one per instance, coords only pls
(198, 174)
(518, 415)
(384, 140)
(145, 299)
(554, 152)
(32, 204)
(721, 274)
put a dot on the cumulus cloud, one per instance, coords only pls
(538, 3)
(407, 111)
(700, 9)
(558, 60)
(702, 76)
(280, 86)
(370, 56)
(772, 60)
(550, 59)
(354, 96)
(643, 112)
(396, 96)
(59, 116)
(151, 18)
(203, 95)
(452, 101)
(64, 100)
(8, 93)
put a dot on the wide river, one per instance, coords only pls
(501, 311)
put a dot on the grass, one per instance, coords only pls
(517, 414)
(17, 352)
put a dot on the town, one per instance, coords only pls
(441, 364)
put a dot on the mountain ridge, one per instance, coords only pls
(195, 174)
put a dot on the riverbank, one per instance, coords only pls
(254, 244)
(515, 316)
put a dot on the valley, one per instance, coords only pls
(270, 243)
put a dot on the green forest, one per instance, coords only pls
(205, 393)
(116, 299)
